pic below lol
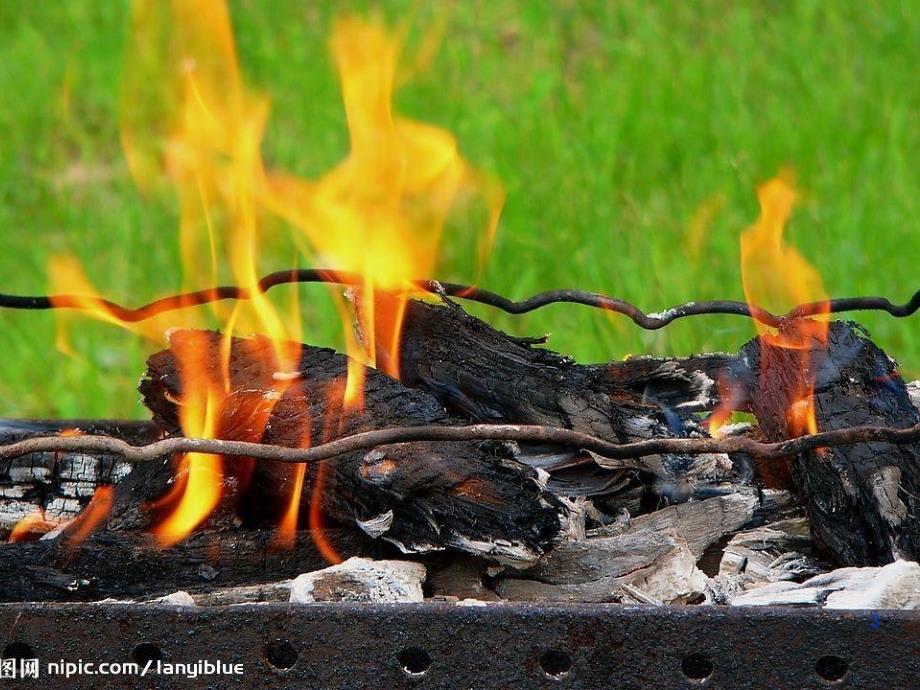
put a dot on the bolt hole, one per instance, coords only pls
(555, 664)
(147, 652)
(831, 668)
(281, 654)
(18, 650)
(697, 667)
(415, 661)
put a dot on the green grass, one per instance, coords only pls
(611, 124)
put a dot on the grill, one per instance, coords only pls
(441, 645)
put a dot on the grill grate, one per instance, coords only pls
(441, 645)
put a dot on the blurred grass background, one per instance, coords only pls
(630, 137)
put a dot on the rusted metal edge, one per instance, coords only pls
(441, 645)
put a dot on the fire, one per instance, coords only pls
(192, 126)
(729, 395)
(381, 212)
(30, 528)
(777, 277)
(96, 511)
(200, 475)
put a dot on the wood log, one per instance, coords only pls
(471, 496)
(863, 501)
(482, 373)
(58, 485)
(699, 523)
(488, 375)
(129, 564)
(658, 564)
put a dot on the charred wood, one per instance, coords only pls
(660, 565)
(863, 500)
(471, 496)
(129, 564)
(782, 550)
(57, 485)
(698, 523)
(482, 373)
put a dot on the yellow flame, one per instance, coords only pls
(31, 527)
(191, 125)
(729, 395)
(381, 212)
(95, 513)
(777, 277)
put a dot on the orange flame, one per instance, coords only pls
(96, 511)
(189, 123)
(777, 277)
(729, 395)
(382, 211)
(30, 528)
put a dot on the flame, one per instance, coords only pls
(381, 212)
(96, 511)
(31, 527)
(200, 474)
(777, 277)
(190, 125)
(729, 395)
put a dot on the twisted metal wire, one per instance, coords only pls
(648, 321)
(474, 432)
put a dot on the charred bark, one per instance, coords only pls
(470, 496)
(480, 372)
(129, 564)
(59, 485)
(863, 501)
(488, 375)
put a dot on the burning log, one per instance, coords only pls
(47, 489)
(863, 500)
(488, 375)
(475, 497)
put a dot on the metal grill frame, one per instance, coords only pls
(347, 645)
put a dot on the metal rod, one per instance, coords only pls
(474, 432)
(648, 321)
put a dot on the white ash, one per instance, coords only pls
(894, 586)
(179, 598)
(361, 580)
(913, 391)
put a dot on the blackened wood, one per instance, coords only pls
(58, 485)
(129, 564)
(471, 496)
(488, 375)
(863, 501)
